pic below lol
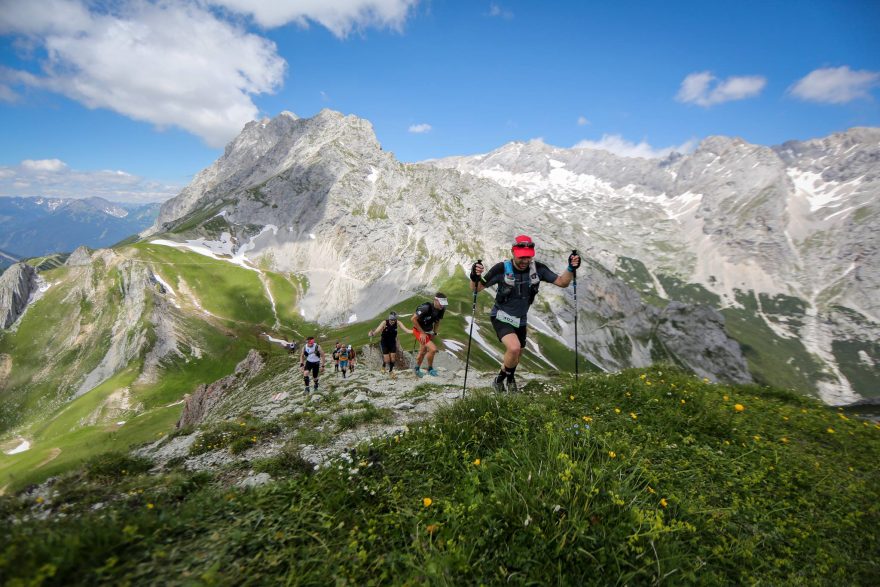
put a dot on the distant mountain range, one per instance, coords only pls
(32, 227)
(6, 260)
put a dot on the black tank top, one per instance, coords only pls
(390, 331)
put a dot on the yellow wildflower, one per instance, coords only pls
(477, 462)
(647, 383)
(612, 454)
(784, 440)
(785, 418)
(633, 416)
(842, 417)
(150, 506)
(571, 397)
(682, 401)
(727, 442)
(642, 376)
(40, 499)
(726, 398)
(586, 419)
(756, 437)
(663, 502)
(830, 430)
(650, 490)
(616, 410)
(427, 501)
(431, 528)
(739, 407)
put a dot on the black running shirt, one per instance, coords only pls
(429, 315)
(517, 304)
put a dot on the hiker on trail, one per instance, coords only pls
(344, 354)
(517, 280)
(351, 359)
(426, 321)
(311, 362)
(388, 342)
(336, 352)
(290, 346)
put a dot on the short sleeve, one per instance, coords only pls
(545, 274)
(495, 275)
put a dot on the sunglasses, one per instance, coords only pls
(524, 246)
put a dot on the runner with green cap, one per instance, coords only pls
(517, 280)
(426, 321)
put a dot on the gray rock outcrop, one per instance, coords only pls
(79, 258)
(17, 284)
(696, 336)
(205, 397)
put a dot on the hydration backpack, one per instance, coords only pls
(507, 288)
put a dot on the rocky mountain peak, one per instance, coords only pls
(16, 286)
(270, 147)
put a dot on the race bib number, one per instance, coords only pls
(503, 316)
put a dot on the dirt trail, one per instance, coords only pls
(53, 454)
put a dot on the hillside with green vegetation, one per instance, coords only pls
(646, 476)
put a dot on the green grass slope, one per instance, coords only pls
(36, 400)
(642, 477)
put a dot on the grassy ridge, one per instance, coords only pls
(639, 477)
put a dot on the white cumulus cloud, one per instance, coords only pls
(498, 11)
(53, 178)
(835, 85)
(37, 165)
(704, 89)
(420, 128)
(341, 17)
(190, 64)
(620, 146)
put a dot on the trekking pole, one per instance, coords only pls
(574, 273)
(470, 334)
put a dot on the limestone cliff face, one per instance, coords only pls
(318, 197)
(17, 284)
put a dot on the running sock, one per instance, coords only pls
(510, 373)
(391, 366)
(504, 374)
(306, 379)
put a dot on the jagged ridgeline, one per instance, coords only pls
(307, 226)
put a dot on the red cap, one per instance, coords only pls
(523, 246)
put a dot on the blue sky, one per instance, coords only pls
(130, 99)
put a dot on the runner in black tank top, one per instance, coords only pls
(388, 341)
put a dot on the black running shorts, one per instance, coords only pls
(502, 329)
(313, 368)
(388, 346)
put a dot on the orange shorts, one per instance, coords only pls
(418, 336)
